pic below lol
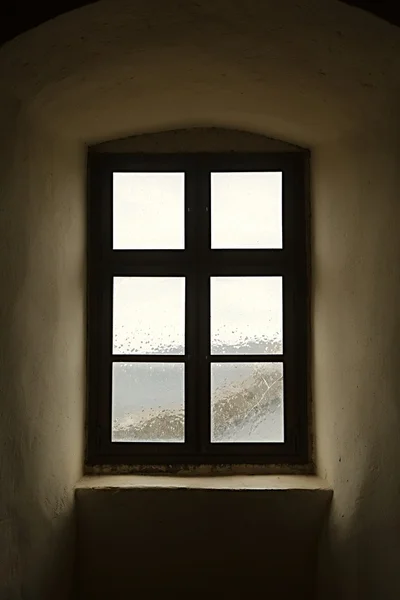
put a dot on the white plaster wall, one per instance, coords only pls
(356, 216)
(311, 72)
(301, 71)
(41, 355)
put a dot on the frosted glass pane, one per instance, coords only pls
(246, 210)
(149, 211)
(148, 402)
(247, 402)
(149, 315)
(246, 315)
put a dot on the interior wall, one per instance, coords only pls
(41, 355)
(310, 72)
(356, 215)
(300, 71)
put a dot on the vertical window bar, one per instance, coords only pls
(108, 301)
(190, 313)
(204, 315)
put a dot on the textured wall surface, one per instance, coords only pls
(316, 73)
(41, 356)
(357, 357)
(299, 71)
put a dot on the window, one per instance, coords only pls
(197, 312)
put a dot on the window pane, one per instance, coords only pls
(246, 210)
(247, 402)
(148, 402)
(246, 315)
(149, 315)
(149, 211)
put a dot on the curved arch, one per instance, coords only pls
(300, 72)
(12, 26)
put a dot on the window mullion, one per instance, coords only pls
(191, 324)
(203, 305)
(102, 302)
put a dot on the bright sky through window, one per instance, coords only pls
(149, 214)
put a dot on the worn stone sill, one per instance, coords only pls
(228, 482)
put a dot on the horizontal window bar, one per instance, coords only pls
(184, 449)
(163, 454)
(233, 450)
(145, 270)
(201, 268)
(250, 256)
(150, 358)
(150, 256)
(213, 162)
(246, 358)
(203, 255)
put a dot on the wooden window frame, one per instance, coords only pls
(198, 262)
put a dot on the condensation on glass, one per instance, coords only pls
(246, 210)
(246, 315)
(247, 402)
(148, 211)
(148, 402)
(149, 315)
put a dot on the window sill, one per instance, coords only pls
(180, 536)
(272, 483)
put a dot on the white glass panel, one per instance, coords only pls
(148, 402)
(246, 210)
(149, 211)
(247, 402)
(246, 315)
(149, 315)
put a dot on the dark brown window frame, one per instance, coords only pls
(197, 263)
